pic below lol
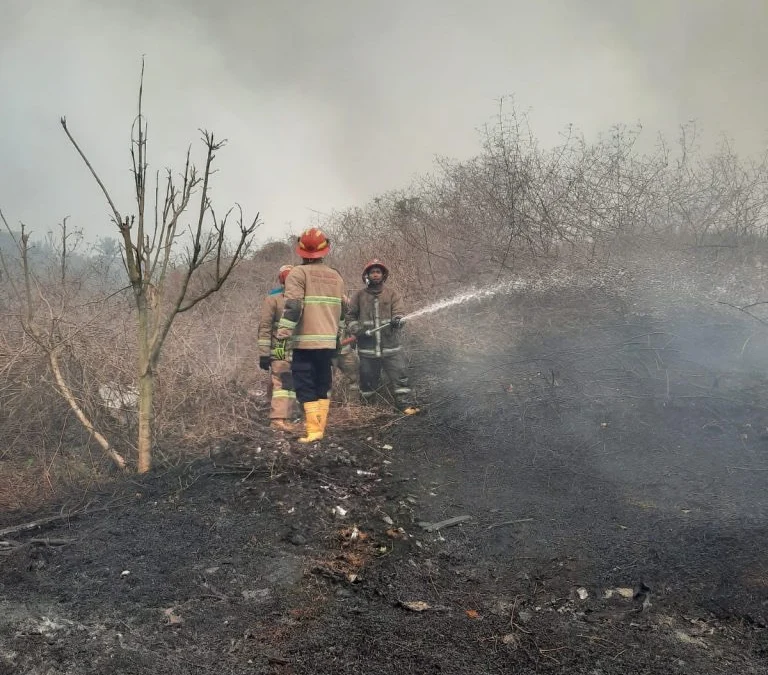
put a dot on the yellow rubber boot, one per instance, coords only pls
(312, 422)
(325, 406)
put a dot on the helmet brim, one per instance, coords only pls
(312, 255)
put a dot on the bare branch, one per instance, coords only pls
(183, 303)
(118, 219)
(64, 237)
(66, 392)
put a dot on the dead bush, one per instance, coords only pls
(585, 221)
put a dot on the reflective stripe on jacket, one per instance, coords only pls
(313, 307)
(371, 308)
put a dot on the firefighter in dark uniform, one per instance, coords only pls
(372, 307)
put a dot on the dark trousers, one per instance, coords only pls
(395, 367)
(311, 370)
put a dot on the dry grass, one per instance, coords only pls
(553, 220)
(351, 416)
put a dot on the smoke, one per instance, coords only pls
(703, 59)
(326, 104)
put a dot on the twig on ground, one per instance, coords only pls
(36, 524)
(9, 545)
(214, 593)
(434, 527)
(50, 542)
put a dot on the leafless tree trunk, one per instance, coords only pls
(148, 256)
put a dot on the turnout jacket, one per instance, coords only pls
(271, 311)
(313, 307)
(370, 308)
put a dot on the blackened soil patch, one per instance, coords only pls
(615, 481)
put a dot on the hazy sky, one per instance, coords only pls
(327, 103)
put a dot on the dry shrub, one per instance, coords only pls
(518, 207)
(348, 416)
(585, 220)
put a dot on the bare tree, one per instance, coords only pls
(164, 287)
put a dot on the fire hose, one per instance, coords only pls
(368, 333)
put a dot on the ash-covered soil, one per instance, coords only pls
(606, 473)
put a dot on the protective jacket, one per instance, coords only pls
(271, 311)
(370, 308)
(313, 307)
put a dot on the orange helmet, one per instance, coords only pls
(283, 273)
(376, 263)
(313, 244)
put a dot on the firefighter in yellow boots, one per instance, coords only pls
(274, 356)
(311, 316)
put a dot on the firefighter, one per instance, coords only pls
(276, 358)
(314, 294)
(345, 360)
(374, 306)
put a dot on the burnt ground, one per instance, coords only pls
(613, 466)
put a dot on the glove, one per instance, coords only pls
(264, 362)
(278, 351)
(354, 328)
(396, 322)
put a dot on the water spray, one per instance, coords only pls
(461, 298)
(467, 296)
